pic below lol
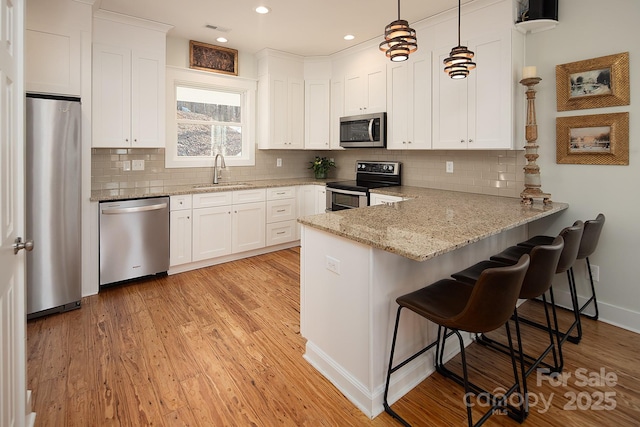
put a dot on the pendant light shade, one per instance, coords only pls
(460, 60)
(399, 40)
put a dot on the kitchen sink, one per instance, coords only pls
(224, 185)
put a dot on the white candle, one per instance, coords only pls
(529, 72)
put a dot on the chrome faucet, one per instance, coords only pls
(216, 173)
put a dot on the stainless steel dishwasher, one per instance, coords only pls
(134, 239)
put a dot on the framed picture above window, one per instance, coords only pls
(593, 83)
(217, 59)
(600, 139)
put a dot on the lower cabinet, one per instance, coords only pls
(205, 226)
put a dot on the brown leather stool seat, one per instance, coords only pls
(537, 281)
(572, 237)
(457, 306)
(588, 245)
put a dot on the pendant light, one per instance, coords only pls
(459, 62)
(399, 40)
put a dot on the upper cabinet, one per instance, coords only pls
(280, 100)
(58, 44)
(128, 82)
(475, 112)
(409, 102)
(317, 114)
(365, 91)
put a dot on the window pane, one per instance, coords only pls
(206, 140)
(210, 105)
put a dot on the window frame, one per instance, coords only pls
(208, 81)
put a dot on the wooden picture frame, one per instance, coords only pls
(599, 139)
(216, 59)
(593, 83)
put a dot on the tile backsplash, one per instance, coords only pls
(497, 172)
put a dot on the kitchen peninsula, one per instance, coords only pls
(355, 263)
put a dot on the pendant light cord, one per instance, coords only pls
(398, 10)
(459, 22)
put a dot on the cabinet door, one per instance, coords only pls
(354, 95)
(296, 113)
(248, 228)
(398, 105)
(376, 90)
(419, 118)
(147, 99)
(449, 106)
(211, 232)
(278, 112)
(321, 199)
(180, 237)
(111, 113)
(317, 113)
(490, 93)
(337, 111)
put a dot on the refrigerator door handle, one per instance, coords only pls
(115, 211)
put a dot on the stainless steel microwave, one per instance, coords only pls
(366, 130)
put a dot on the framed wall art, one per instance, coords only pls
(600, 139)
(593, 83)
(212, 58)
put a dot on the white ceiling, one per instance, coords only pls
(302, 27)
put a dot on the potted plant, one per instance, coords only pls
(321, 166)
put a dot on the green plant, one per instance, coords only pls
(321, 165)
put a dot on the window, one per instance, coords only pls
(209, 115)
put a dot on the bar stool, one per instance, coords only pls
(588, 244)
(457, 306)
(572, 237)
(537, 281)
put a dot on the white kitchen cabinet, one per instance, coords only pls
(312, 200)
(383, 199)
(476, 112)
(281, 216)
(409, 103)
(280, 100)
(365, 92)
(337, 111)
(212, 232)
(180, 230)
(128, 85)
(248, 227)
(317, 114)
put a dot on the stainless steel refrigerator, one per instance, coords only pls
(53, 165)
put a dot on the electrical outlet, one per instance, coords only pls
(332, 264)
(279, 163)
(126, 165)
(449, 168)
(595, 273)
(137, 165)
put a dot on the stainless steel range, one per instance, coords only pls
(355, 194)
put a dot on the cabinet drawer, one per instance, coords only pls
(207, 200)
(281, 232)
(280, 193)
(249, 196)
(179, 203)
(281, 210)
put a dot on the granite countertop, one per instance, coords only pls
(432, 222)
(109, 195)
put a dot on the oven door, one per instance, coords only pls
(338, 199)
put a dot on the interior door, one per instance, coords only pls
(12, 280)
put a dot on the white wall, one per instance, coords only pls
(590, 29)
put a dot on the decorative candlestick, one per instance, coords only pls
(532, 184)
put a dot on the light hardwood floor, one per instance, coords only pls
(221, 346)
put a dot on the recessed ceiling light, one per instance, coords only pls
(349, 37)
(263, 9)
(222, 40)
